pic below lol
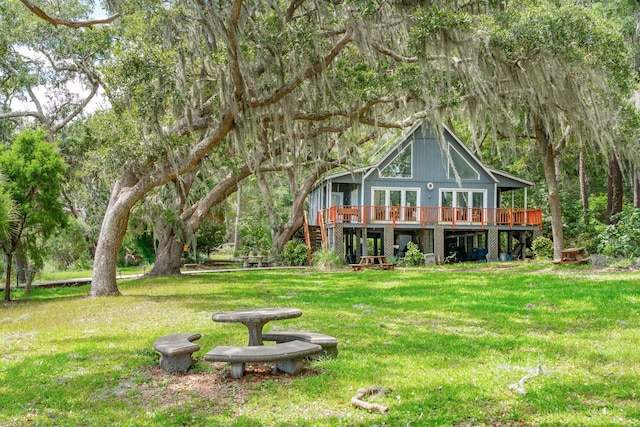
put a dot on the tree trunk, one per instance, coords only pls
(584, 193)
(614, 190)
(112, 231)
(169, 251)
(21, 264)
(636, 187)
(7, 280)
(548, 155)
(171, 238)
(236, 224)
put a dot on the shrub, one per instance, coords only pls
(413, 256)
(294, 253)
(542, 247)
(621, 239)
(326, 259)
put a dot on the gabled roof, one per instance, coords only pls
(503, 179)
(506, 180)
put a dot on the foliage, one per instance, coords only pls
(621, 238)
(413, 256)
(34, 171)
(456, 347)
(295, 253)
(326, 259)
(209, 236)
(255, 237)
(542, 247)
(68, 248)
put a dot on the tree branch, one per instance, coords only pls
(71, 24)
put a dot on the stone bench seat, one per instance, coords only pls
(329, 344)
(176, 350)
(289, 356)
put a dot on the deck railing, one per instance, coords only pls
(429, 215)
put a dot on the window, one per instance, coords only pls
(396, 204)
(459, 167)
(337, 199)
(462, 205)
(400, 166)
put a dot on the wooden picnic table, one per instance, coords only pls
(572, 256)
(368, 261)
(255, 319)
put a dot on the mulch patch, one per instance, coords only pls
(168, 390)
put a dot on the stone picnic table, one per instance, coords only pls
(255, 319)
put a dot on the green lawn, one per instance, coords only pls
(526, 345)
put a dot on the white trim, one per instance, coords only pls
(463, 190)
(449, 147)
(390, 159)
(403, 198)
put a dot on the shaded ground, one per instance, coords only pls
(160, 389)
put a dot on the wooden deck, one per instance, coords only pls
(430, 215)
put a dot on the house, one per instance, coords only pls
(428, 190)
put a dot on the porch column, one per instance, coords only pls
(338, 240)
(358, 243)
(493, 237)
(365, 250)
(438, 243)
(388, 240)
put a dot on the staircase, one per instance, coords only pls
(315, 237)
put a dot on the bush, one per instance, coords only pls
(542, 247)
(413, 256)
(621, 239)
(69, 248)
(295, 253)
(326, 259)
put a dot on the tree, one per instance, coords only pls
(556, 69)
(34, 171)
(225, 72)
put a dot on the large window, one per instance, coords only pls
(400, 166)
(396, 204)
(462, 205)
(459, 167)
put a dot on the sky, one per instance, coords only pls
(96, 103)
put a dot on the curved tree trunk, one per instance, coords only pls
(168, 253)
(171, 244)
(112, 231)
(548, 155)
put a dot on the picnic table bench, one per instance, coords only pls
(289, 356)
(329, 344)
(175, 351)
(368, 261)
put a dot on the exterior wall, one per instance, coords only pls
(430, 166)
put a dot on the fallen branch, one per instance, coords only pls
(519, 386)
(364, 392)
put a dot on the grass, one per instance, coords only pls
(527, 345)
